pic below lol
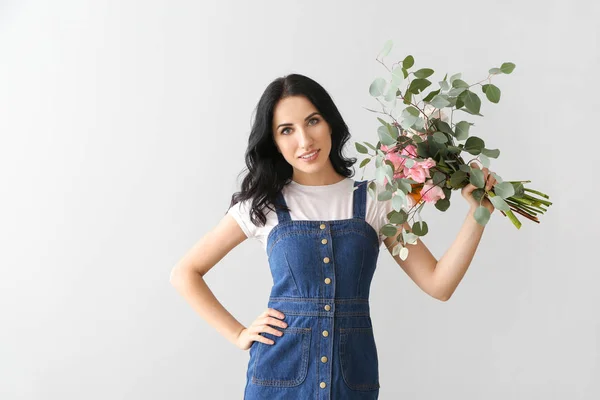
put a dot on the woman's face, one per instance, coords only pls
(298, 128)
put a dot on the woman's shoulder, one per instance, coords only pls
(241, 212)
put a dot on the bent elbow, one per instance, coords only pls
(176, 275)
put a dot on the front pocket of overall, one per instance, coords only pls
(285, 363)
(358, 358)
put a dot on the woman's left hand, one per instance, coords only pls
(467, 191)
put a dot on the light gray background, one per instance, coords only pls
(123, 127)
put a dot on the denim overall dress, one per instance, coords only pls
(322, 272)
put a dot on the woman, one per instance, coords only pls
(320, 231)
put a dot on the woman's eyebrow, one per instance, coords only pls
(289, 124)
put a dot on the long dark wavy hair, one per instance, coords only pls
(268, 171)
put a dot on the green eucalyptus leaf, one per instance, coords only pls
(418, 85)
(484, 160)
(492, 92)
(440, 101)
(439, 178)
(420, 228)
(423, 149)
(470, 112)
(495, 71)
(442, 204)
(397, 217)
(472, 101)
(474, 145)
(491, 153)
(476, 178)
(416, 139)
(364, 162)
(504, 190)
(409, 237)
(459, 101)
(443, 127)
(378, 159)
(389, 170)
(424, 73)
(390, 95)
(444, 85)
(377, 87)
(457, 179)
(499, 203)
(412, 111)
(403, 253)
(386, 48)
(465, 168)
(404, 186)
(371, 146)
(462, 130)
(398, 200)
(392, 130)
(396, 249)
(371, 189)
(478, 194)
(439, 137)
(397, 76)
(482, 215)
(384, 136)
(360, 148)
(380, 174)
(455, 77)
(507, 67)
(388, 230)
(431, 95)
(385, 195)
(408, 62)
(454, 92)
(459, 83)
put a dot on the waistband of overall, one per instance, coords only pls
(321, 307)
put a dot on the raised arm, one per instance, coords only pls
(440, 278)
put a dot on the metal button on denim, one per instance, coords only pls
(322, 355)
(326, 260)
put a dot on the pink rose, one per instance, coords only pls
(431, 193)
(420, 170)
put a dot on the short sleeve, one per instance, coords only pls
(382, 209)
(240, 211)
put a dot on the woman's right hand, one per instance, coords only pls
(261, 324)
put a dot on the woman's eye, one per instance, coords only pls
(315, 119)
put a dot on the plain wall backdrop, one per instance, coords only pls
(123, 128)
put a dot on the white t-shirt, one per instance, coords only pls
(320, 203)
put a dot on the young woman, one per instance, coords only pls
(320, 231)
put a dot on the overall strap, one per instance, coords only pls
(282, 215)
(360, 200)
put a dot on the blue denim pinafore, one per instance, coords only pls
(322, 272)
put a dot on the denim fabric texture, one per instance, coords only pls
(322, 272)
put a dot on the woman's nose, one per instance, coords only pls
(305, 140)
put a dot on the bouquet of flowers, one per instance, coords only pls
(418, 156)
